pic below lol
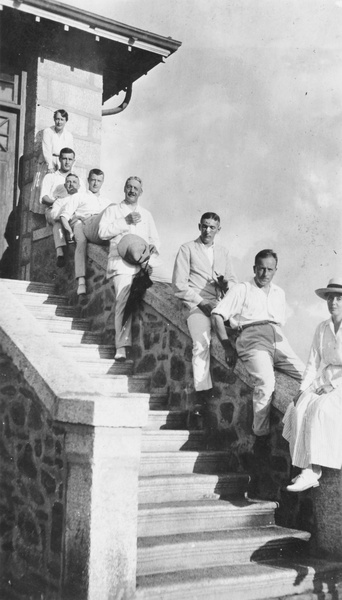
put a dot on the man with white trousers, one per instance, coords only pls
(202, 273)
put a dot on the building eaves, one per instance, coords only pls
(96, 25)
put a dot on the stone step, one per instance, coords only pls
(51, 310)
(112, 384)
(158, 401)
(29, 286)
(90, 351)
(170, 553)
(171, 518)
(104, 366)
(190, 487)
(61, 324)
(161, 463)
(315, 578)
(167, 419)
(37, 299)
(168, 440)
(72, 336)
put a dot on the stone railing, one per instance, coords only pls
(70, 460)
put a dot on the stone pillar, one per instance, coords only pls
(101, 512)
(53, 82)
(327, 508)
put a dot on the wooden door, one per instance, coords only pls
(8, 136)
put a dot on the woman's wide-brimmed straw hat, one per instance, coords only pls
(334, 286)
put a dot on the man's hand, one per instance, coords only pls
(205, 307)
(153, 249)
(47, 201)
(324, 389)
(230, 352)
(133, 218)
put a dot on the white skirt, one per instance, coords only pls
(313, 428)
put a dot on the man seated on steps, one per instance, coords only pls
(202, 274)
(80, 216)
(257, 309)
(117, 220)
(52, 189)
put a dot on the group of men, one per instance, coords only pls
(203, 278)
(254, 310)
(79, 215)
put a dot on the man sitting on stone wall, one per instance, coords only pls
(52, 189)
(257, 309)
(202, 274)
(116, 221)
(80, 216)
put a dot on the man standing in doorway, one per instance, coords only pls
(257, 309)
(202, 274)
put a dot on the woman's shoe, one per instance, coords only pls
(304, 481)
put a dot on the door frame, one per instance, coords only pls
(18, 106)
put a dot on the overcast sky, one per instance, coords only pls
(244, 119)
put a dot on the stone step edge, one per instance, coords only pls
(270, 535)
(23, 282)
(247, 582)
(181, 506)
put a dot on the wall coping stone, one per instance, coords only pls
(162, 299)
(73, 398)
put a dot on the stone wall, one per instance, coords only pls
(32, 489)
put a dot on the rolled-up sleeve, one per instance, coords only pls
(232, 303)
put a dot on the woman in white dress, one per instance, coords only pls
(54, 139)
(312, 422)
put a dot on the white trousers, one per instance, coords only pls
(85, 232)
(57, 229)
(261, 348)
(313, 428)
(200, 330)
(122, 286)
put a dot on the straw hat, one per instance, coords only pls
(334, 286)
(133, 249)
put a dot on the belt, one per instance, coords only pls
(258, 323)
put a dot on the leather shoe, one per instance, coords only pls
(60, 261)
(306, 480)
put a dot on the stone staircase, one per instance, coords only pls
(198, 534)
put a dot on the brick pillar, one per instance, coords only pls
(52, 84)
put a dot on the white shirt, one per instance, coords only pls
(247, 303)
(51, 182)
(209, 251)
(84, 205)
(113, 227)
(52, 144)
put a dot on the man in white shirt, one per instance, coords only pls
(52, 188)
(115, 222)
(79, 218)
(202, 274)
(257, 309)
